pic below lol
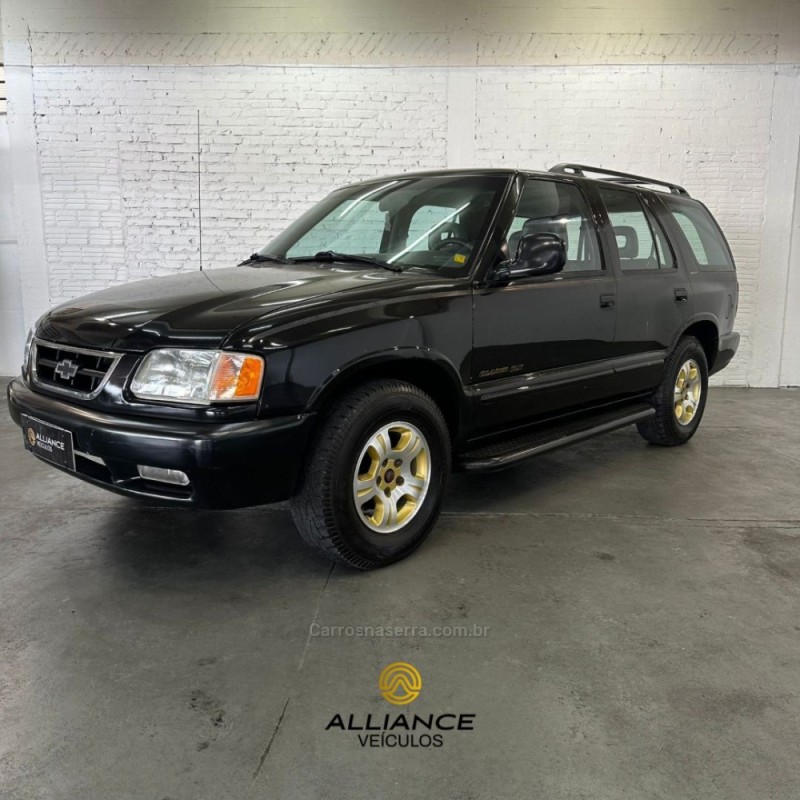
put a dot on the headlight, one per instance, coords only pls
(26, 355)
(198, 376)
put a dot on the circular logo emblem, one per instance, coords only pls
(400, 683)
(32, 437)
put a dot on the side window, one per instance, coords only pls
(692, 236)
(555, 207)
(701, 234)
(640, 241)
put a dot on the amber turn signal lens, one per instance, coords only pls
(249, 380)
(236, 377)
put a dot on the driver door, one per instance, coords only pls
(545, 343)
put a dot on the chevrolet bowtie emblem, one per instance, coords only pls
(66, 369)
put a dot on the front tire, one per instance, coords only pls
(375, 477)
(680, 399)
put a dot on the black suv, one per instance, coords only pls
(400, 328)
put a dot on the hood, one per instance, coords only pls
(200, 309)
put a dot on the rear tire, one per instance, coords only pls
(680, 398)
(375, 476)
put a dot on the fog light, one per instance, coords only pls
(163, 475)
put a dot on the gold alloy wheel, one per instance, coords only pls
(392, 477)
(688, 388)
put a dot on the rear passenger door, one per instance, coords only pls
(654, 298)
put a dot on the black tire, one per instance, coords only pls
(324, 509)
(664, 429)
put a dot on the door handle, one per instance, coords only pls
(681, 296)
(608, 300)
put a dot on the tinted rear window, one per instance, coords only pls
(700, 233)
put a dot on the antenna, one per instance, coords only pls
(199, 205)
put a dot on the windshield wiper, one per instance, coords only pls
(331, 255)
(263, 258)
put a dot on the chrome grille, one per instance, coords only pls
(71, 370)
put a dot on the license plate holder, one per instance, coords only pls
(48, 441)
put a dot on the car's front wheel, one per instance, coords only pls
(375, 477)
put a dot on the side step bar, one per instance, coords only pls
(508, 452)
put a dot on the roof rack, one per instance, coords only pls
(616, 177)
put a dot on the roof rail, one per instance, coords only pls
(615, 177)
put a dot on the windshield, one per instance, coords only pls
(436, 222)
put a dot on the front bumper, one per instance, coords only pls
(230, 465)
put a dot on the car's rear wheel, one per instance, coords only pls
(680, 398)
(375, 477)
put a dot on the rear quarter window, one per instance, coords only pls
(700, 233)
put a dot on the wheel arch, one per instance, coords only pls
(432, 373)
(706, 331)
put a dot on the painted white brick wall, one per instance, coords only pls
(118, 164)
(118, 168)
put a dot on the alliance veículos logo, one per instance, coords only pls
(400, 684)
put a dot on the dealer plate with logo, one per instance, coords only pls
(48, 441)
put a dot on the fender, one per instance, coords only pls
(428, 369)
(386, 338)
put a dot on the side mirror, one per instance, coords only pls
(537, 254)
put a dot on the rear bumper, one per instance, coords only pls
(728, 345)
(229, 465)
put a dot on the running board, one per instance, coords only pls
(509, 451)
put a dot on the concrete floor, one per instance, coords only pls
(644, 633)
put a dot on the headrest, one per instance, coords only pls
(629, 246)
